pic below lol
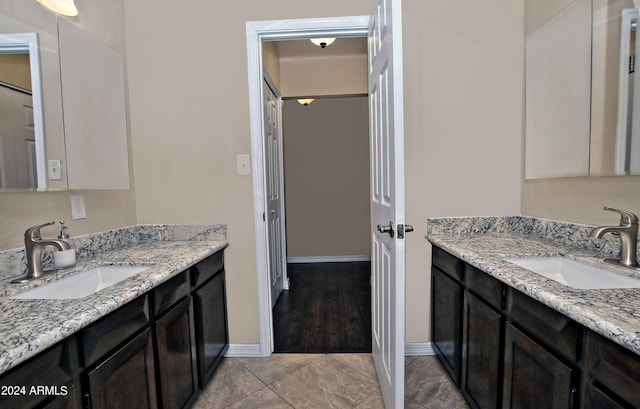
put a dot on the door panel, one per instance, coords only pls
(273, 167)
(387, 198)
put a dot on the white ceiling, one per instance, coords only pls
(305, 48)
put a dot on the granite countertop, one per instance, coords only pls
(27, 327)
(613, 313)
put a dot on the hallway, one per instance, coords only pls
(320, 381)
(326, 310)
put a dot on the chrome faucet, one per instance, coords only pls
(34, 244)
(628, 232)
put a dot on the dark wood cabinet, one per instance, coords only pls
(518, 353)
(533, 377)
(49, 380)
(481, 357)
(126, 378)
(176, 360)
(614, 370)
(210, 311)
(156, 351)
(594, 398)
(446, 329)
(446, 309)
(555, 330)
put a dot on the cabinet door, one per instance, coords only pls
(594, 398)
(533, 377)
(210, 310)
(481, 353)
(176, 363)
(446, 321)
(125, 379)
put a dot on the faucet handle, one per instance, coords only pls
(626, 218)
(34, 232)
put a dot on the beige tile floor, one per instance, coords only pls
(323, 381)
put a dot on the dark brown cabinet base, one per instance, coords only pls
(126, 379)
(481, 353)
(533, 377)
(56, 369)
(519, 353)
(144, 355)
(446, 331)
(175, 343)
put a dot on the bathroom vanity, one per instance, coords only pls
(152, 340)
(510, 338)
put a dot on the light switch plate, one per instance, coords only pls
(54, 169)
(78, 210)
(243, 164)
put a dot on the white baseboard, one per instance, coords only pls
(327, 259)
(418, 348)
(243, 351)
(253, 350)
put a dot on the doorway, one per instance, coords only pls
(327, 308)
(383, 29)
(257, 33)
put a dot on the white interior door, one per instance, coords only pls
(387, 199)
(273, 170)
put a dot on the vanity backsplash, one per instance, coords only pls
(561, 233)
(13, 262)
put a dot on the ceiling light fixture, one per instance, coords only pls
(64, 7)
(305, 101)
(323, 42)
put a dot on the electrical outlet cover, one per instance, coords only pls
(78, 210)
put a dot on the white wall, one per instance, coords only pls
(189, 112)
(463, 66)
(335, 75)
(326, 174)
(105, 209)
(187, 72)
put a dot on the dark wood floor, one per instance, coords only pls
(326, 309)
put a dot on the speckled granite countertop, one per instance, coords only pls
(485, 242)
(27, 327)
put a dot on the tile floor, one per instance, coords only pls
(323, 381)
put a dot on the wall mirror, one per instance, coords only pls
(29, 40)
(580, 95)
(22, 147)
(81, 144)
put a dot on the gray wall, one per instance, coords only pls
(326, 170)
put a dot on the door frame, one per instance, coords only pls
(257, 32)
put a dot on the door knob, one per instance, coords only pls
(386, 229)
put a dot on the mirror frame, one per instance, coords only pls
(21, 43)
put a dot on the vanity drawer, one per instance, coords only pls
(107, 333)
(207, 268)
(489, 289)
(549, 326)
(171, 292)
(612, 365)
(451, 265)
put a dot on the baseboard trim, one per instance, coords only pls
(418, 348)
(253, 350)
(243, 351)
(327, 259)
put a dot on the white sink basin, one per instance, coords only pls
(575, 274)
(82, 284)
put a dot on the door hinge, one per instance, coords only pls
(264, 217)
(402, 229)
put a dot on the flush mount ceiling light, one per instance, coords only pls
(305, 101)
(323, 42)
(64, 7)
